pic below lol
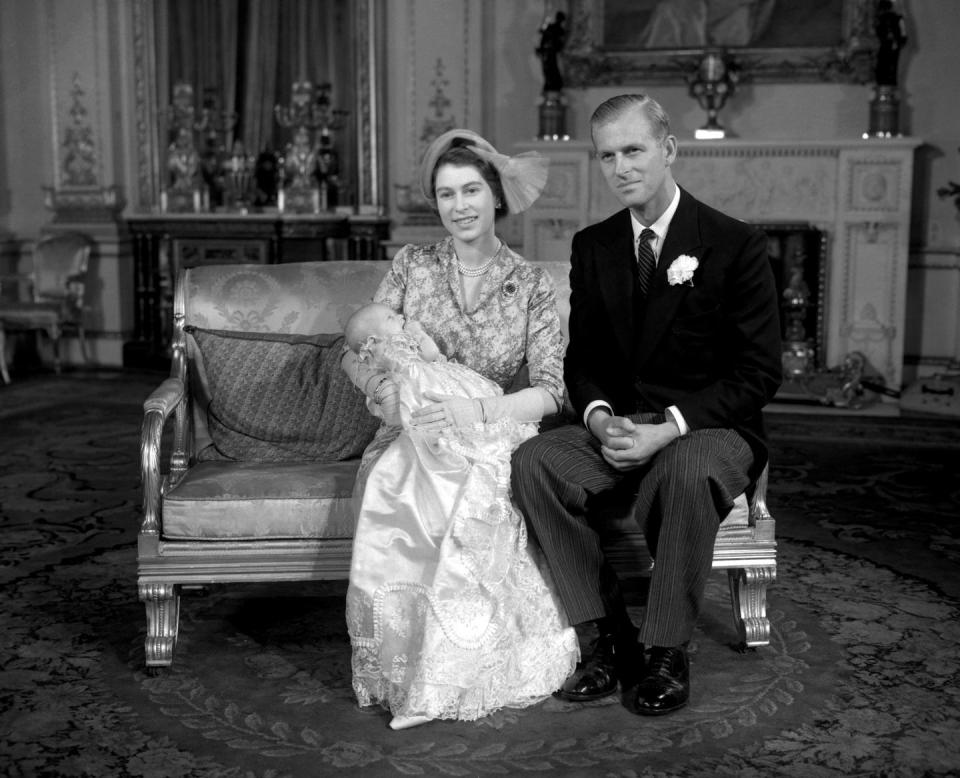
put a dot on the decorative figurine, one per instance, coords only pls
(553, 37)
(301, 161)
(183, 162)
(553, 104)
(328, 169)
(892, 35)
(182, 192)
(309, 167)
(238, 177)
(266, 172)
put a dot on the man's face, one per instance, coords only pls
(635, 163)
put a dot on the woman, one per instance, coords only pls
(448, 613)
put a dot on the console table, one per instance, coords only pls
(163, 243)
(857, 192)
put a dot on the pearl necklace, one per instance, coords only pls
(475, 272)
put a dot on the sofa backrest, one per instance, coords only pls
(300, 298)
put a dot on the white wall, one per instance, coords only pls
(26, 148)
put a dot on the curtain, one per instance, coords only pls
(243, 56)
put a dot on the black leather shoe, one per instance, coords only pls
(665, 685)
(594, 678)
(612, 660)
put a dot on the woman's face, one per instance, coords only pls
(465, 202)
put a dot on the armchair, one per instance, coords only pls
(50, 298)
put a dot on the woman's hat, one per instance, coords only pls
(522, 177)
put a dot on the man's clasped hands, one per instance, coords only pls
(626, 444)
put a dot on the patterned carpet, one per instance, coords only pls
(861, 677)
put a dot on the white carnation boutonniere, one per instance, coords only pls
(681, 270)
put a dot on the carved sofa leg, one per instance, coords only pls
(162, 601)
(748, 595)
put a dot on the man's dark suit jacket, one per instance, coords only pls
(711, 349)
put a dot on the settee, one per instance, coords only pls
(249, 449)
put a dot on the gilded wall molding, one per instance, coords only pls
(51, 48)
(145, 96)
(369, 22)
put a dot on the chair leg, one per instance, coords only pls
(162, 601)
(3, 355)
(748, 595)
(55, 340)
(82, 337)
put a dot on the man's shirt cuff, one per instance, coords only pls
(592, 406)
(674, 412)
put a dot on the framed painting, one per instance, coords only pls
(616, 42)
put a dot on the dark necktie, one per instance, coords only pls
(646, 262)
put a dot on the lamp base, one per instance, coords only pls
(553, 117)
(884, 113)
(710, 133)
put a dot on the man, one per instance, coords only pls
(674, 350)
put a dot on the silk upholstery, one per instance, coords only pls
(250, 500)
(297, 299)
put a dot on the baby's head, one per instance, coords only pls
(373, 319)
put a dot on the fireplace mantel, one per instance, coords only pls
(857, 191)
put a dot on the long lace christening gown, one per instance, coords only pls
(448, 612)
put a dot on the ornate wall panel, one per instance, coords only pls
(84, 189)
(434, 82)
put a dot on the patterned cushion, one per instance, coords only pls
(271, 397)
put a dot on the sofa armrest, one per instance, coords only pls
(760, 516)
(157, 408)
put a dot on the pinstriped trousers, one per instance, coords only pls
(682, 495)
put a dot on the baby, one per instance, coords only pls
(433, 394)
(374, 326)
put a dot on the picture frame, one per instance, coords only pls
(620, 42)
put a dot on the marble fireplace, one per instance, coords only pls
(855, 194)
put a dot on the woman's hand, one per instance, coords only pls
(445, 412)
